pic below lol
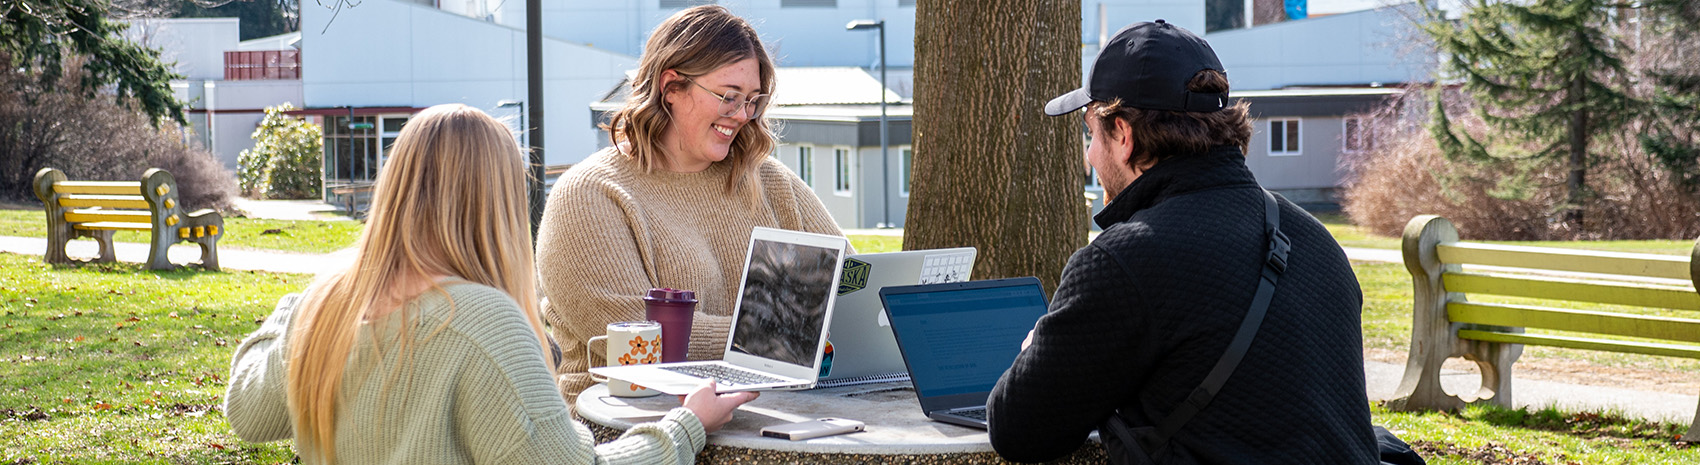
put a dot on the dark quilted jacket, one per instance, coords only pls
(1145, 310)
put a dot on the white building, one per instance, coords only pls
(365, 69)
(227, 83)
(371, 66)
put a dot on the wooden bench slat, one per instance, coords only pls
(1618, 293)
(1585, 261)
(113, 225)
(110, 201)
(1648, 348)
(98, 215)
(1616, 324)
(98, 187)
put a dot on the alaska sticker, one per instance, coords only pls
(855, 276)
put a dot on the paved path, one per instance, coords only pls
(228, 258)
(1381, 378)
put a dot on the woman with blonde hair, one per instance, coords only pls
(670, 204)
(429, 348)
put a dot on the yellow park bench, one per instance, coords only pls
(97, 209)
(1446, 323)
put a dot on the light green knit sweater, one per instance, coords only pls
(477, 391)
(612, 231)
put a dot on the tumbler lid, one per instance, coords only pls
(671, 295)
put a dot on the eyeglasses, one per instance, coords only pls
(732, 101)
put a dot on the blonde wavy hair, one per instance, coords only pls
(693, 42)
(450, 201)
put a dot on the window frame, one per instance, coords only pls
(806, 164)
(1366, 138)
(844, 171)
(905, 160)
(1292, 131)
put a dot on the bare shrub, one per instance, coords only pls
(1405, 175)
(94, 137)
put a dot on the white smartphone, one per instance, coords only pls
(812, 429)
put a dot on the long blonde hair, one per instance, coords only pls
(450, 201)
(693, 42)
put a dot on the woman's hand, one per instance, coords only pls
(712, 409)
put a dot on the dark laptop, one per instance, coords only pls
(958, 338)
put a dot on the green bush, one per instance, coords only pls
(285, 160)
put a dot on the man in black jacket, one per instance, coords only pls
(1147, 309)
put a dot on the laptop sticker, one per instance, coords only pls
(855, 276)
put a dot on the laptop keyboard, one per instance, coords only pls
(946, 268)
(977, 413)
(724, 375)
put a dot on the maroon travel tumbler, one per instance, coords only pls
(672, 308)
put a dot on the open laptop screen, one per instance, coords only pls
(786, 290)
(961, 341)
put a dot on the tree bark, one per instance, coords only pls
(1577, 182)
(990, 169)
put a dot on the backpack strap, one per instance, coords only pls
(1274, 264)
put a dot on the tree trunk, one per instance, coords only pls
(991, 170)
(1577, 182)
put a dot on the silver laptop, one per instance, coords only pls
(959, 338)
(778, 323)
(862, 349)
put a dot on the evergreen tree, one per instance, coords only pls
(1673, 121)
(259, 18)
(41, 36)
(1547, 76)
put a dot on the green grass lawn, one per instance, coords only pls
(876, 244)
(114, 364)
(1351, 235)
(1489, 435)
(244, 233)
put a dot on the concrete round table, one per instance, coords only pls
(897, 431)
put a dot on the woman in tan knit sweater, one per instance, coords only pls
(672, 202)
(418, 352)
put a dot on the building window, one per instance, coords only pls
(1091, 177)
(351, 149)
(841, 157)
(903, 166)
(806, 164)
(684, 3)
(391, 128)
(808, 3)
(1283, 137)
(1356, 135)
(905, 2)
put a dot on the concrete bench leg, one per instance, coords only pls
(1693, 434)
(56, 243)
(1435, 339)
(108, 254)
(1495, 360)
(209, 253)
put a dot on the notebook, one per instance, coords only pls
(785, 300)
(958, 338)
(862, 347)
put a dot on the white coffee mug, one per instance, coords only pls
(629, 343)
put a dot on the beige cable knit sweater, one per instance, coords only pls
(611, 232)
(478, 391)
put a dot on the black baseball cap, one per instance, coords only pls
(1147, 65)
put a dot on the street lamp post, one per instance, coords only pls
(885, 141)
